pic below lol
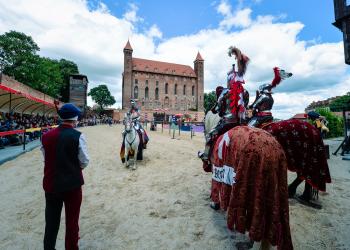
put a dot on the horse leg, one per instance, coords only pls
(292, 188)
(135, 159)
(126, 153)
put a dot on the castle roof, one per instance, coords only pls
(162, 67)
(199, 57)
(128, 46)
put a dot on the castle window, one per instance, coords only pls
(184, 90)
(175, 89)
(136, 92)
(136, 81)
(156, 94)
(146, 82)
(157, 83)
(146, 92)
(166, 88)
(192, 90)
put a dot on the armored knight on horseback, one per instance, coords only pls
(261, 107)
(134, 114)
(231, 101)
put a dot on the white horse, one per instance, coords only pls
(131, 142)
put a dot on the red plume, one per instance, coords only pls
(277, 78)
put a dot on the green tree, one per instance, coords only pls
(102, 96)
(209, 100)
(19, 60)
(342, 102)
(335, 123)
(67, 68)
(18, 55)
(48, 77)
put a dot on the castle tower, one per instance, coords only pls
(199, 69)
(127, 76)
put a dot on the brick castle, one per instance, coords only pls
(161, 85)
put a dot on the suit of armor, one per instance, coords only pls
(262, 106)
(134, 114)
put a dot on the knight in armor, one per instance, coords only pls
(261, 107)
(231, 101)
(134, 114)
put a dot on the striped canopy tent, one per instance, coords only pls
(15, 101)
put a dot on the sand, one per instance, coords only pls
(164, 204)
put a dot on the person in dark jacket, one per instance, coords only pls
(65, 154)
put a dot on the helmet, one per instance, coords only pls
(265, 88)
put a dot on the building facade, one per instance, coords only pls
(78, 85)
(161, 85)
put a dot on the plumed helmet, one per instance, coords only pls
(242, 59)
(69, 112)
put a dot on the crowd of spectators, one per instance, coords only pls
(15, 121)
(96, 120)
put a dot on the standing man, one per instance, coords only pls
(65, 153)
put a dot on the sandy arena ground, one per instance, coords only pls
(161, 205)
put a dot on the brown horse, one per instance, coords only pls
(249, 180)
(303, 146)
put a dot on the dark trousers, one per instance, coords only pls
(54, 202)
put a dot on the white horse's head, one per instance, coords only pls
(128, 124)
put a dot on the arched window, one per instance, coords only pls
(192, 90)
(166, 102)
(136, 92)
(156, 94)
(175, 89)
(184, 92)
(146, 93)
(166, 88)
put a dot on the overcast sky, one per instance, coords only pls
(290, 34)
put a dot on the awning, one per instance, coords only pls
(14, 101)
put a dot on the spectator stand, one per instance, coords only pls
(24, 114)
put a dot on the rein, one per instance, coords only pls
(126, 139)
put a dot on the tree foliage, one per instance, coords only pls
(102, 96)
(67, 68)
(19, 59)
(342, 102)
(335, 123)
(209, 100)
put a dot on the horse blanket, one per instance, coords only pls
(249, 179)
(304, 150)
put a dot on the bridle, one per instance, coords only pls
(128, 130)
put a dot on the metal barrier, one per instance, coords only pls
(24, 131)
